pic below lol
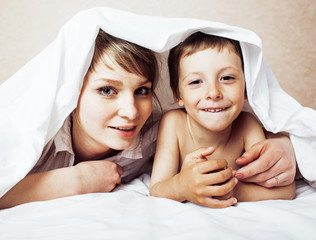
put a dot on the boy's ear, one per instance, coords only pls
(180, 102)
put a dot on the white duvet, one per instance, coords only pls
(36, 100)
(129, 213)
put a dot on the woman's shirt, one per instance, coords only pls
(58, 153)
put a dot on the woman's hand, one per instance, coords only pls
(98, 176)
(201, 180)
(269, 163)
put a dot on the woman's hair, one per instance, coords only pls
(196, 42)
(129, 56)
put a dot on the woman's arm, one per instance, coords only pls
(252, 191)
(85, 177)
(196, 182)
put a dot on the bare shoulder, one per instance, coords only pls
(246, 123)
(249, 128)
(175, 117)
(246, 119)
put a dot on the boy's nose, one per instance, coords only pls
(213, 92)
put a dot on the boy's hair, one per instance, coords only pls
(196, 42)
(129, 56)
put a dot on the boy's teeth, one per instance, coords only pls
(215, 110)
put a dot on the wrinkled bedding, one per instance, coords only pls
(129, 213)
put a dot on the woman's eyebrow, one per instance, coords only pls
(144, 82)
(109, 81)
(119, 82)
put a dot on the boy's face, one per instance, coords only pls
(212, 88)
(112, 109)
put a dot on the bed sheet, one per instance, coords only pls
(129, 213)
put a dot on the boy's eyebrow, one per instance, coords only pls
(190, 73)
(230, 67)
(221, 69)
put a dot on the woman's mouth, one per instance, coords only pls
(125, 132)
(124, 128)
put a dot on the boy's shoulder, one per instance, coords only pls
(246, 117)
(246, 121)
(175, 116)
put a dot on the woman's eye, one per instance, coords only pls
(227, 78)
(195, 82)
(107, 91)
(142, 91)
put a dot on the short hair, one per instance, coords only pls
(129, 56)
(196, 42)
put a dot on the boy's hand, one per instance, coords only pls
(99, 176)
(203, 179)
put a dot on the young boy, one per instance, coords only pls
(198, 145)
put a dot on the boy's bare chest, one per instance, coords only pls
(230, 152)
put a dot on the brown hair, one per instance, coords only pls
(196, 42)
(129, 56)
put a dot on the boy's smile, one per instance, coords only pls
(212, 88)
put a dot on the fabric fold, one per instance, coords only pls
(36, 100)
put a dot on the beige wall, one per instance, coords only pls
(287, 28)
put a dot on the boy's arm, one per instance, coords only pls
(85, 177)
(194, 182)
(164, 182)
(250, 191)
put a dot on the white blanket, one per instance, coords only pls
(36, 100)
(129, 213)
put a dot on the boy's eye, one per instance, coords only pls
(107, 91)
(195, 82)
(227, 78)
(142, 91)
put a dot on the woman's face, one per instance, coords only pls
(113, 107)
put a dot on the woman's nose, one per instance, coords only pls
(213, 92)
(128, 108)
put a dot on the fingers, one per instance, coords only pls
(265, 176)
(251, 154)
(211, 165)
(216, 177)
(280, 180)
(200, 154)
(262, 164)
(266, 160)
(221, 194)
(120, 170)
(220, 190)
(217, 203)
(117, 177)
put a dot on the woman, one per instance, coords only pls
(99, 143)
